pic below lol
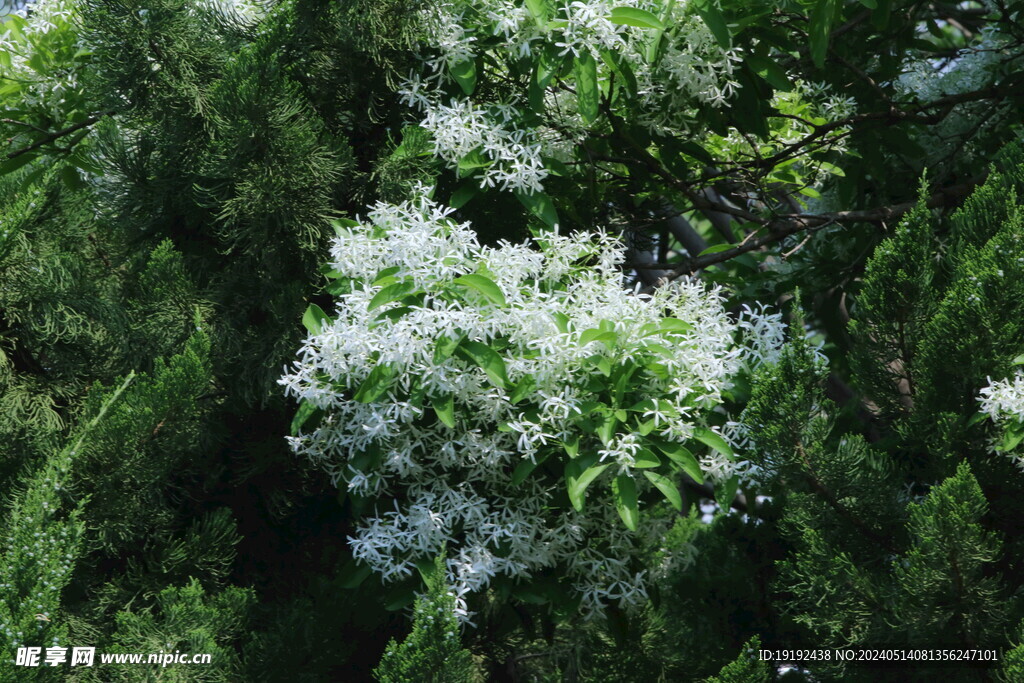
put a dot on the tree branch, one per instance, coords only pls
(784, 225)
(56, 135)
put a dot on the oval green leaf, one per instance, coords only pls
(578, 476)
(624, 491)
(631, 16)
(464, 74)
(487, 359)
(645, 459)
(713, 440)
(667, 488)
(314, 319)
(444, 408)
(376, 384)
(489, 288)
(587, 93)
(392, 292)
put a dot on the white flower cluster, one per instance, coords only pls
(693, 69)
(1003, 401)
(461, 127)
(438, 486)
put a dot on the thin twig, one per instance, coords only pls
(56, 135)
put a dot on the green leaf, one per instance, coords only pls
(713, 440)
(526, 593)
(645, 459)
(487, 359)
(81, 160)
(716, 249)
(712, 16)
(17, 162)
(579, 473)
(305, 411)
(880, 16)
(1019, 360)
(464, 74)
(399, 598)
(37, 64)
(391, 314)
(489, 288)
(524, 469)
(444, 408)
(674, 325)
(341, 226)
(694, 150)
(445, 347)
(1012, 437)
(540, 205)
(548, 67)
(427, 568)
(976, 418)
(770, 71)
(465, 192)
(624, 491)
(390, 293)
(539, 11)
(376, 384)
(594, 334)
(472, 161)
(819, 30)
(353, 574)
(870, 4)
(831, 168)
(314, 319)
(588, 95)
(69, 175)
(386, 276)
(725, 492)
(682, 456)
(606, 428)
(622, 68)
(667, 487)
(561, 322)
(523, 389)
(602, 364)
(630, 16)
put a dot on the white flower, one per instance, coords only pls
(440, 487)
(1004, 400)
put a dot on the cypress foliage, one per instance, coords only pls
(184, 619)
(432, 652)
(209, 195)
(746, 669)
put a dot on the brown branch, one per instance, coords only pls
(919, 114)
(784, 225)
(56, 135)
(15, 122)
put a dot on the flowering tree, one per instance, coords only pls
(468, 389)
